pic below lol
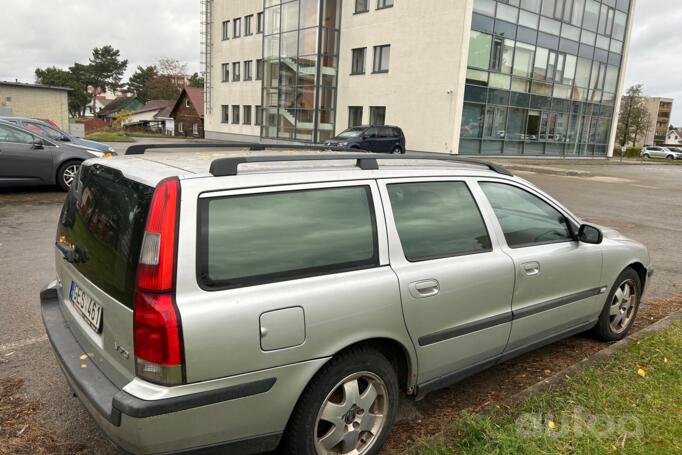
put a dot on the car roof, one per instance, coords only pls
(153, 166)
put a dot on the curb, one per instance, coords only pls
(547, 170)
(568, 372)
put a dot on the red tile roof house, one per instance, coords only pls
(188, 113)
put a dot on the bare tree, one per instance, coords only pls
(169, 66)
(634, 119)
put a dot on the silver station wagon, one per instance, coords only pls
(243, 301)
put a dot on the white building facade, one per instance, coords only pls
(513, 77)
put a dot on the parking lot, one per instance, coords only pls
(643, 202)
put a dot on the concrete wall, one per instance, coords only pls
(228, 51)
(36, 102)
(423, 91)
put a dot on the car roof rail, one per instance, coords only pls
(140, 149)
(229, 166)
(222, 167)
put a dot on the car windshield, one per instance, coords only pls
(352, 132)
(47, 131)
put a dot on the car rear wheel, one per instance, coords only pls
(66, 174)
(646, 156)
(621, 307)
(348, 408)
(398, 150)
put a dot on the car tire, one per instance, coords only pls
(325, 414)
(646, 156)
(670, 157)
(66, 174)
(398, 150)
(620, 309)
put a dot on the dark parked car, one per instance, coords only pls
(379, 139)
(27, 158)
(45, 129)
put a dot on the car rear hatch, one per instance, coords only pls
(100, 233)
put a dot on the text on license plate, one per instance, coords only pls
(90, 310)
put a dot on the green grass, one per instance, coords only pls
(644, 412)
(109, 137)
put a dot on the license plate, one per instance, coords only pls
(90, 310)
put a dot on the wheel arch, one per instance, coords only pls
(59, 165)
(641, 272)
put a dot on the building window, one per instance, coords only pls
(248, 74)
(382, 57)
(259, 69)
(226, 30)
(358, 61)
(384, 4)
(187, 102)
(235, 115)
(236, 76)
(259, 23)
(225, 113)
(195, 129)
(377, 115)
(180, 128)
(226, 72)
(354, 116)
(247, 25)
(247, 115)
(237, 32)
(259, 116)
(361, 6)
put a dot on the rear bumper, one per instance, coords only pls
(231, 419)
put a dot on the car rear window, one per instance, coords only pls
(260, 238)
(104, 215)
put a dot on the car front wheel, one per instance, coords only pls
(67, 173)
(670, 157)
(621, 307)
(348, 408)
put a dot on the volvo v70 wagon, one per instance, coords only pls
(245, 302)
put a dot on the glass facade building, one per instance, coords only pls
(542, 76)
(300, 55)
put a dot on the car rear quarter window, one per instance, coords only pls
(259, 238)
(437, 219)
(104, 216)
(526, 220)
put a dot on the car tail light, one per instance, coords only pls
(157, 327)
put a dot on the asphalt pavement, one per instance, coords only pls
(643, 202)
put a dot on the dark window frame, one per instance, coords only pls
(248, 25)
(243, 282)
(382, 4)
(225, 76)
(225, 113)
(377, 64)
(226, 30)
(259, 23)
(451, 255)
(357, 71)
(235, 114)
(237, 27)
(248, 70)
(361, 11)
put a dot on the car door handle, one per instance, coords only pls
(423, 289)
(531, 268)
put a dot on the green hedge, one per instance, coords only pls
(630, 152)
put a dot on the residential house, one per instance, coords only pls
(674, 136)
(150, 117)
(117, 106)
(100, 102)
(188, 113)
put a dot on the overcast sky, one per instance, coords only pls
(41, 33)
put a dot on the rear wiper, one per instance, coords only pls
(71, 253)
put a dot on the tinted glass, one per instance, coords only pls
(8, 134)
(269, 237)
(104, 216)
(525, 219)
(437, 219)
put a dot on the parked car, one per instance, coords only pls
(55, 134)
(651, 151)
(27, 158)
(48, 121)
(379, 139)
(201, 304)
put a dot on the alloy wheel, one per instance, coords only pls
(623, 307)
(397, 151)
(352, 416)
(69, 174)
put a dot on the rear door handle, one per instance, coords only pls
(423, 289)
(531, 268)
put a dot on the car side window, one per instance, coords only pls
(385, 132)
(8, 134)
(261, 238)
(371, 133)
(437, 219)
(526, 219)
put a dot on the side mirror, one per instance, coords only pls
(38, 143)
(65, 139)
(590, 234)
